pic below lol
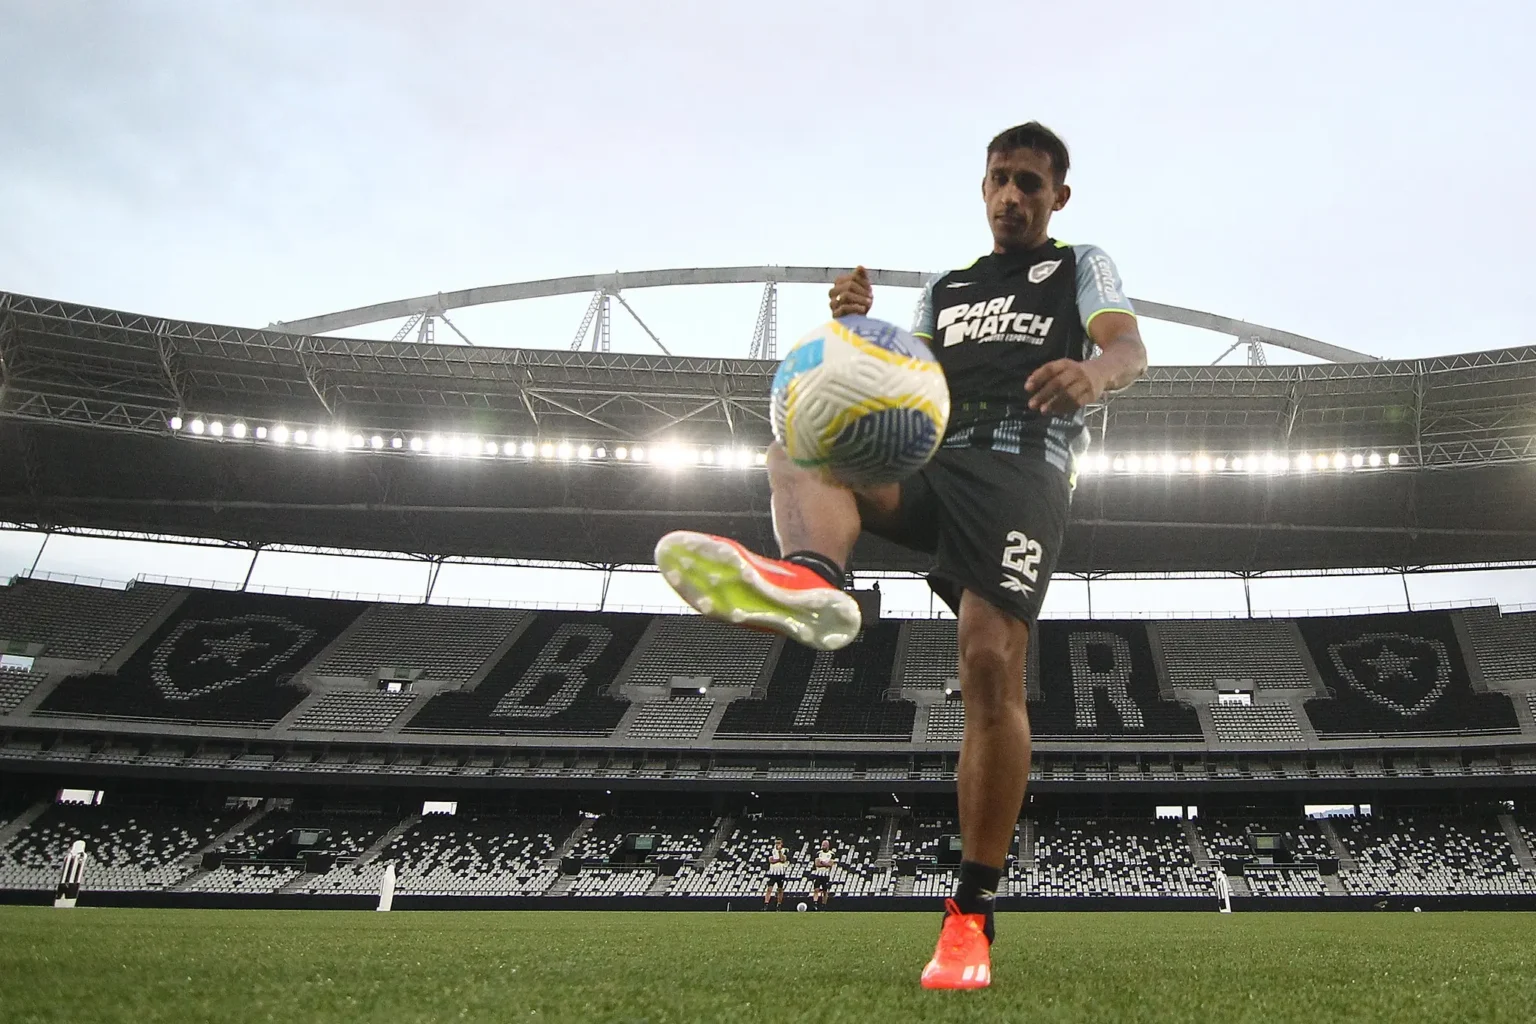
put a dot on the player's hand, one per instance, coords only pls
(1062, 387)
(851, 294)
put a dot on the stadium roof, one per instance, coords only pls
(90, 395)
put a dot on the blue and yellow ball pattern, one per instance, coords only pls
(862, 399)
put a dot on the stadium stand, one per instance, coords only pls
(1119, 858)
(353, 711)
(828, 694)
(1198, 652)
(1228, 838)
(220, 657)
(740, 865)
(1400, 673)
(447, 644)
(930, 656)
(610, 882)
(1504, 645)
(1429, 856)
(692, 646)
(254, 879)
(76, 622)
(676, 718)
(946, 721)
(1256, 723)
(1097, 679)
(1266, 881)
(16, 685)
(128, 849)
(555, 679)
(486, 854)
(678, 842)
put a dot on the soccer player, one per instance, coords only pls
(778, 868)
(821, 875)
(1028, 335)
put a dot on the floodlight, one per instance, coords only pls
(762, 458)
(376, 442)
(1221, 463)
(621, 452)
(436, 445)
(564, 451)
(358, 442)
(280, 434)
(1200, 464)
(584, 452)
(238, 430)
(637, 454)
(546, 450)
(1322, 462)
(1338, 460)
(261, 433)
(198, 426)
(1119, 464)
(601, 452)
(1374, 460)
(1103, 461)
(396, 442)
(1392, 458)
(707, 456)
(322, 438)
(1303, 462)
(416, 444)
(175, 423)
(491, 447)
(216, 428)
(1133, 463)
(1357, 460)
(743, 457)
(301, 437)
(528, 449)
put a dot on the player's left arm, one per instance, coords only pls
(1062, 387)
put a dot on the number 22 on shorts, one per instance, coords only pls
(1022, 558)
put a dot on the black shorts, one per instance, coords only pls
(820, 883)
(993, 521)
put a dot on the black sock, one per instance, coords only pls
(819, 564)
(977, 890)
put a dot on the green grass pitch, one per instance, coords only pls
(321, 967)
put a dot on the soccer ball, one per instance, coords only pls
(801, 907)
(862, 399)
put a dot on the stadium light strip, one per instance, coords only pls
(665, 455)
(674, 455)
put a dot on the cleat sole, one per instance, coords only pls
(718, 581)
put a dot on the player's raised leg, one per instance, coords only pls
(816, 522)
(994, 770)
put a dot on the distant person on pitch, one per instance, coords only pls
(778, 869)
(1028, 336)
(821, 875)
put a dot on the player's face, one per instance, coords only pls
(1021, 194)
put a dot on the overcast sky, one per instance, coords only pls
(1356, 172)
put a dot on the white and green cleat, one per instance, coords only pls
(725, 581)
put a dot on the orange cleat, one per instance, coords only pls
(725, 581)
(963, 958)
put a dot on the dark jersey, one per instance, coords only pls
(995, 322)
